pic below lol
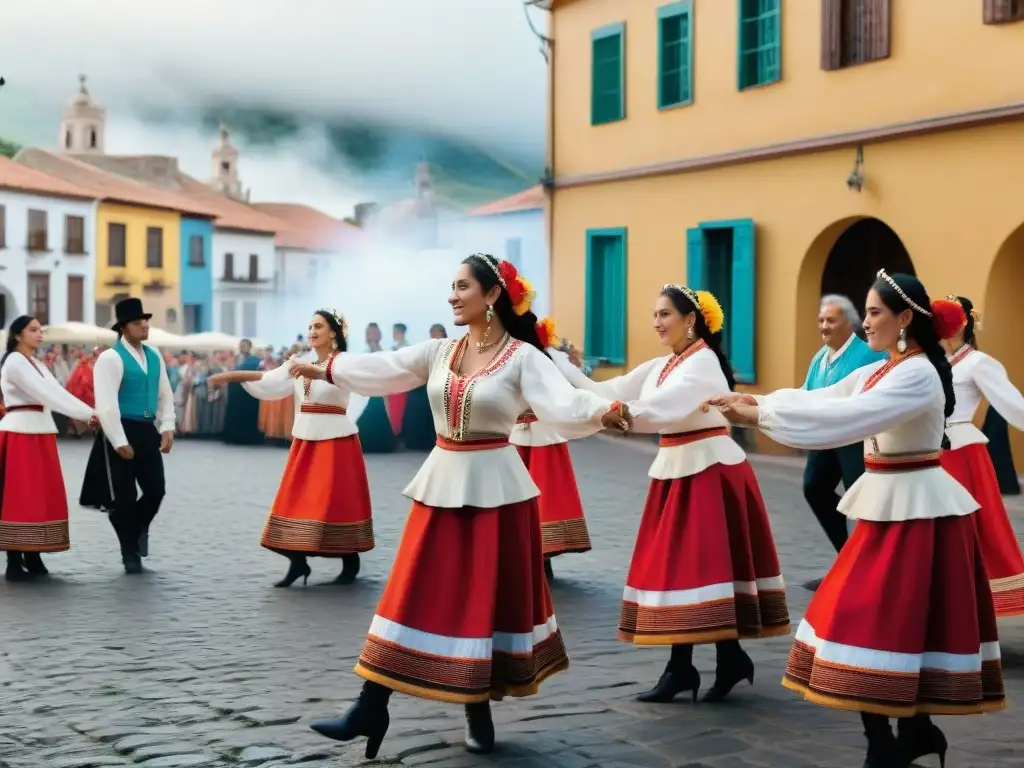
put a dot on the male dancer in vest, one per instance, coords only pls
(843, 353)
(135, 407)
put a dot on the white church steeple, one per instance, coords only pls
(225, 167)
(83, 124)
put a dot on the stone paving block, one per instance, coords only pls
(203, 651)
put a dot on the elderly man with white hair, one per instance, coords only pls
(843, 353)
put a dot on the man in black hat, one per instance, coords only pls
(135, 407)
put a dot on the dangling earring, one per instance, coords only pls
(334, 344)
(689, 333)
(482, 345)
(901, 343)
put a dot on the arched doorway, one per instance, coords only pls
(1002, 316)
(866, 246)
(844, 259)
(8, 309)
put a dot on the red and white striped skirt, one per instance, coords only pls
(902, 624)
(704, 566)
(562, 523)
(322, 507)
(33, 500)
(971, 466)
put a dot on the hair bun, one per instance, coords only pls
(947, 318)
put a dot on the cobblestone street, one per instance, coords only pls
(199, 662)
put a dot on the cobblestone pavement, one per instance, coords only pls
(200, 663)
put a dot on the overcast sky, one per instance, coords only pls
(469, 67)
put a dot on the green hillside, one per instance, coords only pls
(8, 148)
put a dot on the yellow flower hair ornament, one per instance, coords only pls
(714, 317)
(546, 332)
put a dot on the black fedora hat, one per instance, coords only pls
(127, 311)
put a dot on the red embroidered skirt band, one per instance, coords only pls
(330, 410)
(900, 462)
(675, 439)
(483, 443)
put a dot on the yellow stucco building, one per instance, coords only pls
(775, 150)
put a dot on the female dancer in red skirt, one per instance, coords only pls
(903, 624)
(33, 502)
(976, 375)
(546, 455)
(704, 568)
(466, 616)
(322, 507)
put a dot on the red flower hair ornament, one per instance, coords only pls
(947, 318)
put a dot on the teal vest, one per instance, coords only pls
(137, 398)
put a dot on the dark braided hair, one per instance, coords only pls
(969, 330)
(19, 325)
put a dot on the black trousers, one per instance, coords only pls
(131, 512)
(824, 471)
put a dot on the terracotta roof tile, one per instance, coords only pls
(527, 200)
(110, 186)
(307, 229)
(21, 178)
(232, 214)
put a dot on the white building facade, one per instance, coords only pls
(244, 284)
(48, 263)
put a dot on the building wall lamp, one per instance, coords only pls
(855, 181)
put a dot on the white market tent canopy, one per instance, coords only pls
(85, 335)
(214, 341)
(78, 334)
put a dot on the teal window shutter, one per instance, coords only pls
(743, 313)
(759, 49)
(696, 269)
(608, 74)
(675, 54)
(606, 305)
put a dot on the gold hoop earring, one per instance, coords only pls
(901, 343)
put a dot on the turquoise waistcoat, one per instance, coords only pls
(139, 393)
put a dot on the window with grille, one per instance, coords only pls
(675, 54)
(37, 230)
(74, 234)
(760, 43)
(39, 297)
(154, 247)
(608, 89)
(116, 245)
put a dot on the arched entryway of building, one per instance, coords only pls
(1003, 316)
(844, 258)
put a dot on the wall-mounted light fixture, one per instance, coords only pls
(855, 181)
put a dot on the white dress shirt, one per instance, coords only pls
(107, 375)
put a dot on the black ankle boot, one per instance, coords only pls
(15, 568)
(298, 568)
(368, 716)
(883, 750)
(34, 564)
(732, 664)
(479, 728)
(679, 676)
(549, 572)
(349, 569)
(919, 736)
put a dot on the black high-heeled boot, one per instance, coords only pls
(919, 736)
(349, 569)
(479, 728)
(883, 751)
(368, 716)
(34, 564)
(679, 676)
(15, 568)
(732, 664)
(298, 567)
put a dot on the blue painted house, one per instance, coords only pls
(197, 274)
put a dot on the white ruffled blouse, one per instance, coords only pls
(976, 376)
(320, 415)
(665, 398)
(484, 404)
(531, 431)
(901, 416)
(25, 382)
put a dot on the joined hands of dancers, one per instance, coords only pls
(738, 408)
